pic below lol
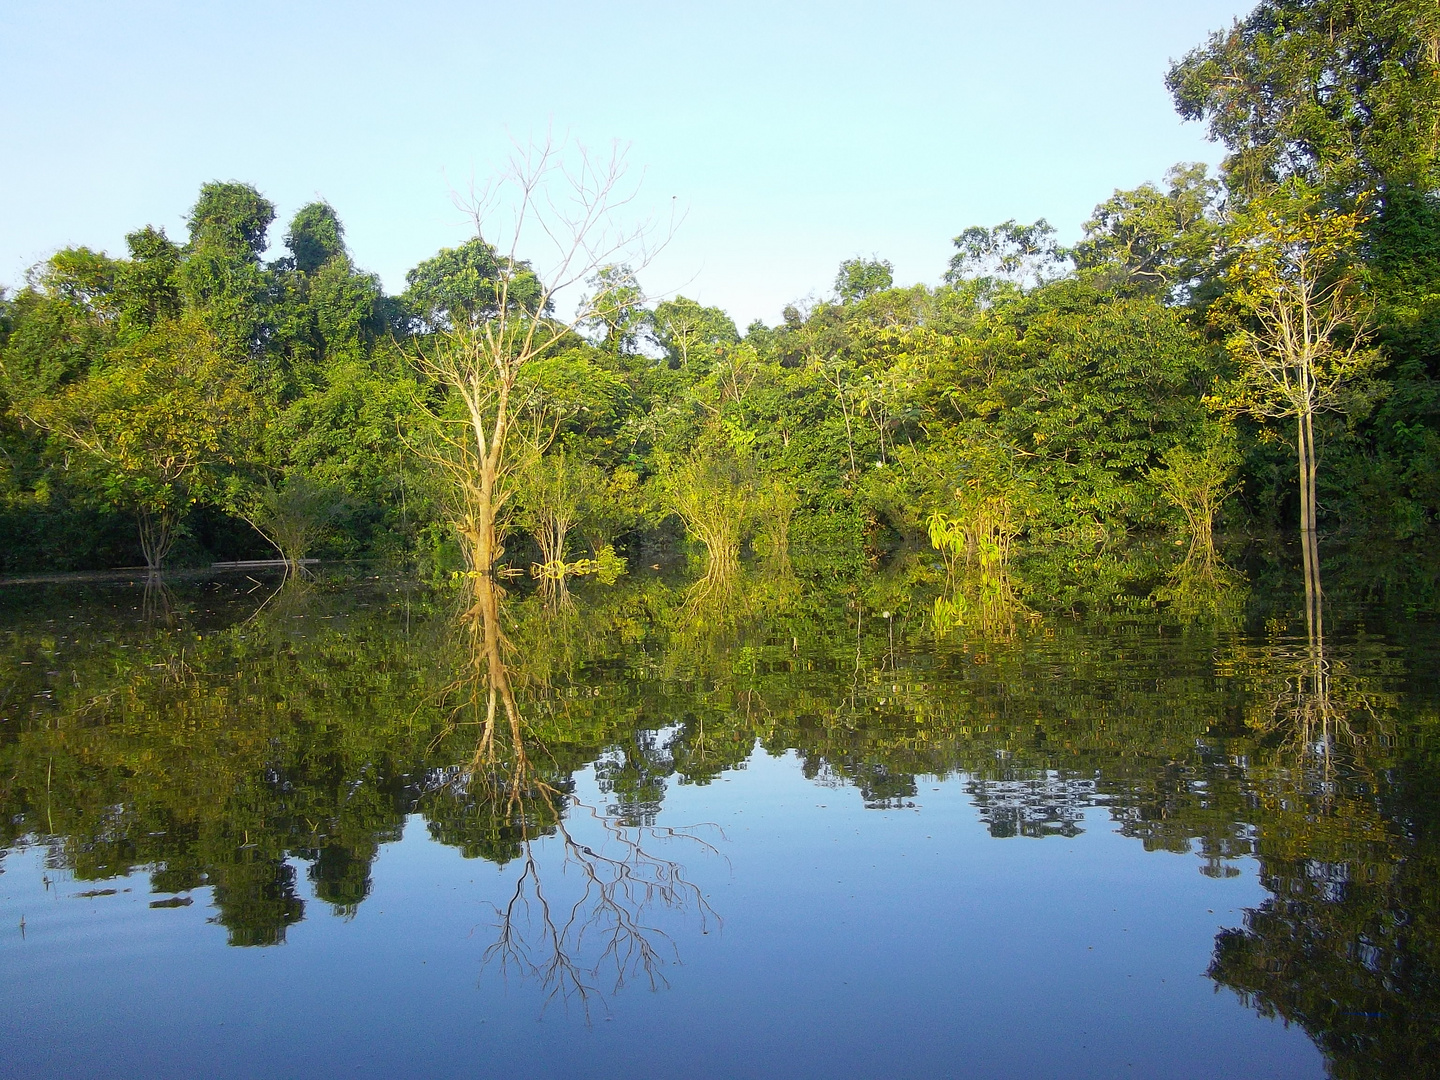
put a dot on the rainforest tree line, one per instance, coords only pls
(1254, 350)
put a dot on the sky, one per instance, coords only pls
(789, 136)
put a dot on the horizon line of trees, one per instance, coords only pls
(1249, 350)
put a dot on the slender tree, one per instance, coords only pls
(567, 209)
(1299, 325)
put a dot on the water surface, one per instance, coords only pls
(806, 828)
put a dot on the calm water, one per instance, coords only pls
(784, 828)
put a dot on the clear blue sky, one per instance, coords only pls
(797, 134)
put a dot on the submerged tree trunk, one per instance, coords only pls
(156, 537)
(1303, 459)
(481, 529)
(1309, 541)
(1309, 471)
(551, 537)
(1319, 719)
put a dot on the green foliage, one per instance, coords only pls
(554, 493)
(713, 492)
(1075, 385)
(221, 277)
(146, 285)
(618, 314)
(609, 567)
(1018, 253)
(1197, 481)
(691, 333)
(570, 392)
(1158, 241)
(859, 278)
(1084, 390)
(52, 341)
(156, 428)
(320, 320)
(230, 219)
(1337, 91)
(315, 237)
(293, 515)
(982, 533)
(460, 287)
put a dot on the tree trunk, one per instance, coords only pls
(1205, 531)
(490, 458)
(1314, 468)
(1309, 541)
(485, 542)
(552, 540)
(155, 538)
(1302, 453)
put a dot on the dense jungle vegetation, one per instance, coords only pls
(965, 529)
(1256, 350)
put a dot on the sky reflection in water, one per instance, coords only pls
(829, 840)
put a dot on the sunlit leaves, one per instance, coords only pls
(157, 425)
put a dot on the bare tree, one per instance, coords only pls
(563, 209)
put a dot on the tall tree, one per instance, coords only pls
(1299, 326)
(497, 320)
(617, 309)
(62, 323)
(315, 236)
(154, 429)
(685, 329)
(1345, 92)
(1023, 254)
(1154, 240)
(858, 278)
(322, 308)
(221, 275)
(146, 284)
(459, 289)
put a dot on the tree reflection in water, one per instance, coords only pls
(159, 602)
(243, 751)
(984, 600)
(1348, 945)
(582, 946)
(1046, 805)
(1202, 588)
